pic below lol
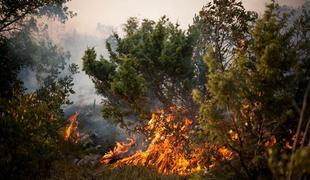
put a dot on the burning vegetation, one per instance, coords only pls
(72, 131)
(169, 149)
(242, 80)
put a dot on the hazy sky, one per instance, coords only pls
(116, 12)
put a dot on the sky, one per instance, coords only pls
(116, 12)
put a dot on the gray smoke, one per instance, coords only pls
(76, 44)
(46, 51)
(86, 100)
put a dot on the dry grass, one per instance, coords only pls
(62, 170)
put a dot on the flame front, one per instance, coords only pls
(72, 130)
(169, 150)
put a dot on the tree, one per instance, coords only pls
(226, 24)
(14, 13)
(150, 67)
(29, 49)
(223, 26)
(254, 105)
(18, 47)
(30, 121)
(29, 129)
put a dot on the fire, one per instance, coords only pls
(119, 150)
(169, 149)
(226, 153)
(72, 129)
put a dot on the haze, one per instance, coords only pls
(116, 12)
(96, 19)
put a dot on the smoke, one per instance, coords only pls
(57, 44)
(38, 55)
(76, 44)
(46, 48)
(68, 39)
(104, 30)
(91, 122)
(86, 101)
(29, 79)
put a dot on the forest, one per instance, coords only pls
(227, 97)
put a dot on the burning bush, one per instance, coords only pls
(169, 149)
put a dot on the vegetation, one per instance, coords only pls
(29, 129)
(249, 76)
(31, 120)
(242, 81)
(150, 67)
(66, 170)
(254, 105)
(14, 13)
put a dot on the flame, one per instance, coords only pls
(226, 153)
(119, 150)
(71, 130)
(169, 150)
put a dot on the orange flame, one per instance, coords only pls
(168, 151)
(119, 150)
(226, 153)
(71, 130)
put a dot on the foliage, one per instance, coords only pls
(151, 66)
(30, 121)
(256, 101)
(29, 49)
(9, 69)
(280, 164)
(223, 24)
(29, 130)
(15, 13)
(251, 85)
(248, 76)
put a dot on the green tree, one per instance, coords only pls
(150, 67)
(225, 23)
(255, 103)
(223, 26)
